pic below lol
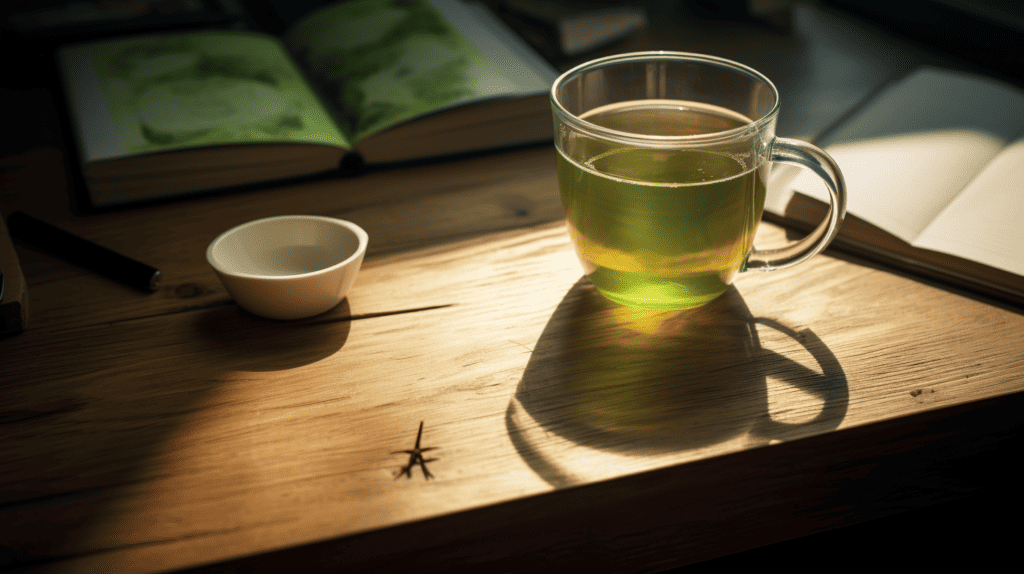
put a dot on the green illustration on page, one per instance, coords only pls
(207, 88)
(381, 62)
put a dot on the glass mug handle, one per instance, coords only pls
(784, 150)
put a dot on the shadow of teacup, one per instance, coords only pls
(244, 341)
(638, 383)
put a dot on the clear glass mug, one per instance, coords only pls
(663, 161)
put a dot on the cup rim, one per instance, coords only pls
(630, 138)
(361, 236)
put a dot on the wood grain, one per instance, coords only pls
(400, 209)
(217, 435)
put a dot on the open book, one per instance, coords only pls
(933, 168)
(169, 114)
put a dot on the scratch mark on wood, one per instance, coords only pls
(416, 457)
(48, 409)
(521, 345)
(226, 302)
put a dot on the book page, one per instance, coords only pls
(380, 63)
(160, 92)
(512, 56)
(985, 223)
(908, 154)
(93, 122)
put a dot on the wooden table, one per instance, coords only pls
(144, 433)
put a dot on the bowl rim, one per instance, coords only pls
(362, 238)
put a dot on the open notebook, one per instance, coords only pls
(933, 168)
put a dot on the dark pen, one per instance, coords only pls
(82, 252)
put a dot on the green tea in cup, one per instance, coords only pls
(662, 166)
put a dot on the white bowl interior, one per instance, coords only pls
(284, 246)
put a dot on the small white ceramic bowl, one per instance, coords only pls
(289, 266)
